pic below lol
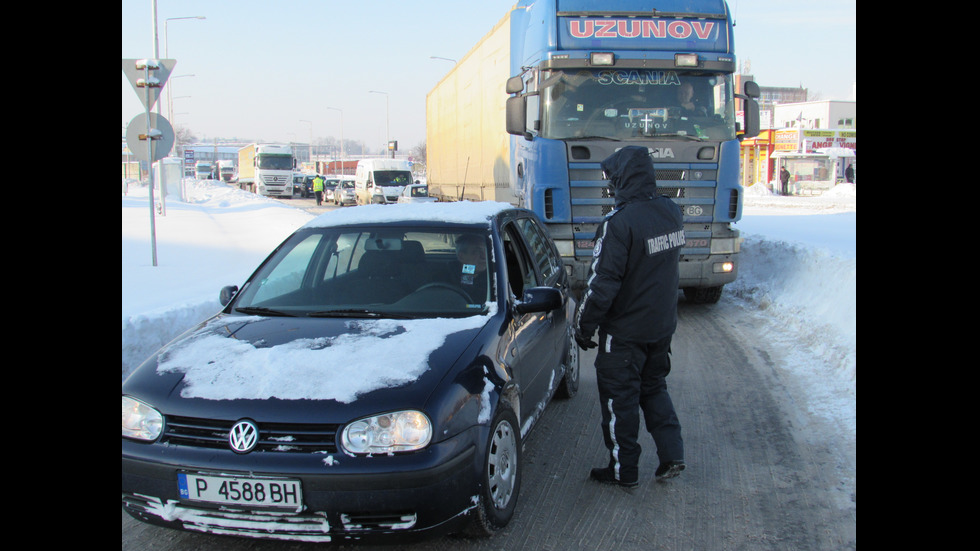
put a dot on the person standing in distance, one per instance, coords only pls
(632, 300)
(318, 189)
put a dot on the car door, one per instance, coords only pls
(550, 273)
(531, 333)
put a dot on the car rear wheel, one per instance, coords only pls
(501, 479)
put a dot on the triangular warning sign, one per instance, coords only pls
(148, 83)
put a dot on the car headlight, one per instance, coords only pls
(139, 420)
(399, 431)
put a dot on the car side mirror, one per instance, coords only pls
(227, 293)
(539, 299)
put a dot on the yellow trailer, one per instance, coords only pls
(467, 149)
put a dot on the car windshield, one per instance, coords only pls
(383, 271)
(631, 104)
(392, 177)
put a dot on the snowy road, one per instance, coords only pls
(760, 474)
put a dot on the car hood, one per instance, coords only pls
(279, 368)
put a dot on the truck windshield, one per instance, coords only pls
(392, 177)
(636, 103)
(274, 162)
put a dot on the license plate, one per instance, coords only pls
(229, 490)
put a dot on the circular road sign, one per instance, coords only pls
(140, 147)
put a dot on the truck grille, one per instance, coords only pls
(273, 437)
(690, 185)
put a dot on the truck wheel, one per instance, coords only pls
(500, 481)
(703, 295)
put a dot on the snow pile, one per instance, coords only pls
(801, 268)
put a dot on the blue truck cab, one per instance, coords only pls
(589, 78)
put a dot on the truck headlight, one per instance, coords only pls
(565, 247)
(140, 421)
(399, 431)
(724, 246)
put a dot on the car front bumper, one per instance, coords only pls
(404, 496)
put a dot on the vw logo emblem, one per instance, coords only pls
(243, 437)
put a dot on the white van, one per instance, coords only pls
(381, 180)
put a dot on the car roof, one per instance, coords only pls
(461, 212)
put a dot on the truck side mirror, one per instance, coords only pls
(516, 116)
(751, 109)
(514, 85)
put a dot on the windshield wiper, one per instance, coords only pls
(677, 135)
(576, 138)
(357, 313)
(263, 311)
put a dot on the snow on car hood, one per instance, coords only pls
(368, 355)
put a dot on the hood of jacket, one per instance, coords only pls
(631, 175)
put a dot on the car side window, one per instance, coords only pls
(541, 251)
(520, 273)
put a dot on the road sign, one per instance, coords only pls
(161, 133)
(148, 77)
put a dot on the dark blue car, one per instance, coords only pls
(374, 378)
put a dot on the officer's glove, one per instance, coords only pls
(584, 342)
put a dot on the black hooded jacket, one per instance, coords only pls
(632, 286)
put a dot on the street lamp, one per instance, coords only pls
(166, 54)
(170, 98)
(311, 142)
(341, 137)
(387, 116)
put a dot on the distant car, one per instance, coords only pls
(299, 187)
(344, 194)
(328, 186)
(416, 193)
(367, 382)
(308, 185)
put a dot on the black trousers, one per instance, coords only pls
(632, 378)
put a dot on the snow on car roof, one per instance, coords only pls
(465, 212)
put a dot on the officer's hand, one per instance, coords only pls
(584, 342)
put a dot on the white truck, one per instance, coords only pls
(226, 170)
(266, 169)
(381, 180)
(202, 170)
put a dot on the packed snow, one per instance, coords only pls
(798, 273)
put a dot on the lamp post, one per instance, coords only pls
(311, 143)
(387, 116)
(341, 137)
(166, 53)
(170, 98)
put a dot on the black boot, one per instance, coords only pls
(669, 469)
(607, 475)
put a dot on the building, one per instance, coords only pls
(815, 140)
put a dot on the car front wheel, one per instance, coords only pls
(501, 479)
(568, 387)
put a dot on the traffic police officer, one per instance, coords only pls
(632, 300)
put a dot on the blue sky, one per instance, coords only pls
(262, 67)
